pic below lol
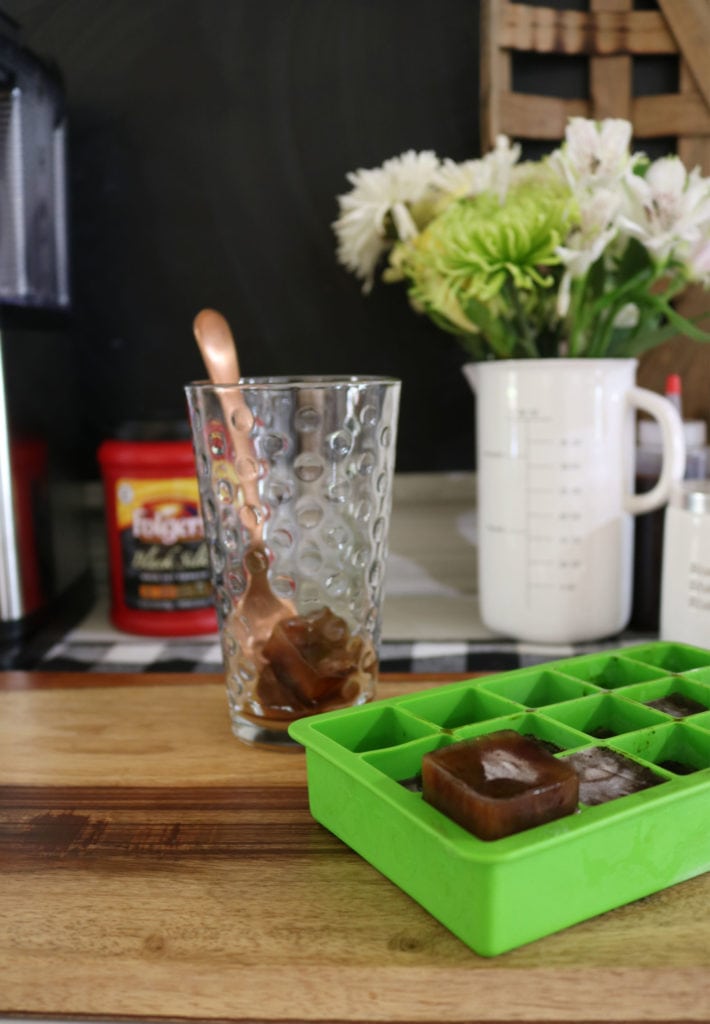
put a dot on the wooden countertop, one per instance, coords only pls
(153, 867)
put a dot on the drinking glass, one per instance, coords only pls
(295, 478)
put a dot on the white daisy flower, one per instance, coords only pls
(472, 177)
(381, 198)
(463, 179)
(500, 161)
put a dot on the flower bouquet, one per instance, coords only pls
(581, 253)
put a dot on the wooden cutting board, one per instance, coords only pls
(153, 867)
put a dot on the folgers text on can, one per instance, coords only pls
(159, 559)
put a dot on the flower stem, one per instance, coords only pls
(526, 339)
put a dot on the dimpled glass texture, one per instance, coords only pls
(295, 479)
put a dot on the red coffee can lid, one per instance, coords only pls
(165, 457)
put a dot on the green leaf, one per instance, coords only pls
(443, 323)
(596, 279)
(499, 336)
(634, 259)
(681, 323)
(474, 345)
(642, 342)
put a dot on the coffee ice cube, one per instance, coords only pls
(313, 661)
(499, 784)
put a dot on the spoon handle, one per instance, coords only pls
(219, 353)
(217, 347)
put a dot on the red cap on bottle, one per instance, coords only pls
(673, 384)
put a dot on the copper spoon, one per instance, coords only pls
(219, 354)
(259, 606)
(217, 348)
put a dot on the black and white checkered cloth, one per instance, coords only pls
(177, 655)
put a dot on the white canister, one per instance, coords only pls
(685, 575)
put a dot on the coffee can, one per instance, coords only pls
(158, 558)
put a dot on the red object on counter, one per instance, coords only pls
(159, 561)
(29, 459)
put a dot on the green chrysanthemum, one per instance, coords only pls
(581, 253)
(483, 266)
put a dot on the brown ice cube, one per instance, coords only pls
(279, 701)
(285, 656)
(312, 660)
(499, 784)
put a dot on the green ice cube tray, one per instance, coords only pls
(498, 895)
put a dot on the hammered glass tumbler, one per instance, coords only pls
(295, 478)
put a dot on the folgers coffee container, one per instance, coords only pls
(159, 560)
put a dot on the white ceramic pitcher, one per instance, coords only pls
(555, 466)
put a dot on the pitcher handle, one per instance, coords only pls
(673, 457)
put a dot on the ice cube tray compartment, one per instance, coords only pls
(607, 775)
(535, 688)
(669, 657)
(602, 716)
(677, 696)
(609, 671)
(528, 723)
(363, 767)
(677, 748)
(450, 708)
(378, 726)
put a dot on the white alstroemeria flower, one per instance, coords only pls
(587, 241)
(669, 209)
(594, 152)
(377, 193)
(699, 261)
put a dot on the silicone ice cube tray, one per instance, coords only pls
(496, 895)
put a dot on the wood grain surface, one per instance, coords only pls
(153, 867)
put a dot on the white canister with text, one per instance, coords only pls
(685, 577)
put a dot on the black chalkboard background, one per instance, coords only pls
(208, 143)
(209, 140)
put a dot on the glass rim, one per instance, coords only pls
(285, 382)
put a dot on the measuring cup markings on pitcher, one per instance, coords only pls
(550, 494)
(555, 471)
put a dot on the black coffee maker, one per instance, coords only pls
(44, 557)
